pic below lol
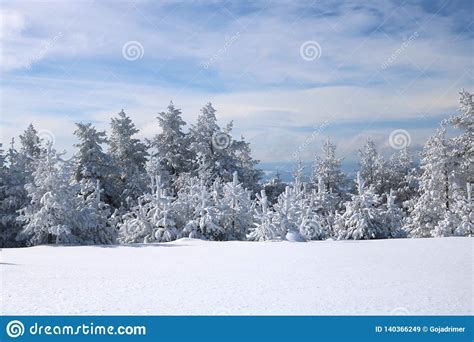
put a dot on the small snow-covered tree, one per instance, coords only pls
(129, 155)
(152, 220)
(92, 226)
(328, 168)
(402, 176)
(312, 225)
(289, 214)
(264, 228)
(458, 220)
(373, 168)
(206, 216)
(326, 205)
(393, 218)
(362, 218)
(298, 176)
(236, 210)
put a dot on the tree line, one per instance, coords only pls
(202, 183)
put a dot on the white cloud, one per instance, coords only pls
(262, 81)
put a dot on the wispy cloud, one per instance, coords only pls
(378, 62)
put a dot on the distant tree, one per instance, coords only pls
(373, 168)
(328, 168)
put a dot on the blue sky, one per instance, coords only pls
(378, 66)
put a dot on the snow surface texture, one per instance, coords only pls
(194, 277)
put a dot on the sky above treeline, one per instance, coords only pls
(288, 73)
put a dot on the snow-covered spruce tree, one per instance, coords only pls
(171, 146)
(435, 187)
(235, 210)
(210, 145)
(129, 155)
(246, 166)
(462, 147)
(92, 226)
(393, 217)
(312, 225)
(152, 220)
(328, 168)
(288, 214)
(14, 195)
(264, 228)
(207, 216)
(8, 227)
(298, 176)
(326, 205)
(30, 143)
(187, 199)
(217, 154)
(196, 202)
(50, 216)
(362, 218)
(459, 219)
(402, 176)
(93, 163)
(373, 168)
(457, 174)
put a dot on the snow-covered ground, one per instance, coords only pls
(409, 276)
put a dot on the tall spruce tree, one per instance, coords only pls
(129, 155)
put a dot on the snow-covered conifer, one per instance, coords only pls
(129, 155)
(93, 163)
(373, 168)
(264, 228)
(50, 216)
(458, 220)
(362, 218)
(92, 226)
(171, 145)
(435, 187)
(393, 217)
(289, 214)
(236, 210)
(328, 167)
(461, 146)
(152, 220)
